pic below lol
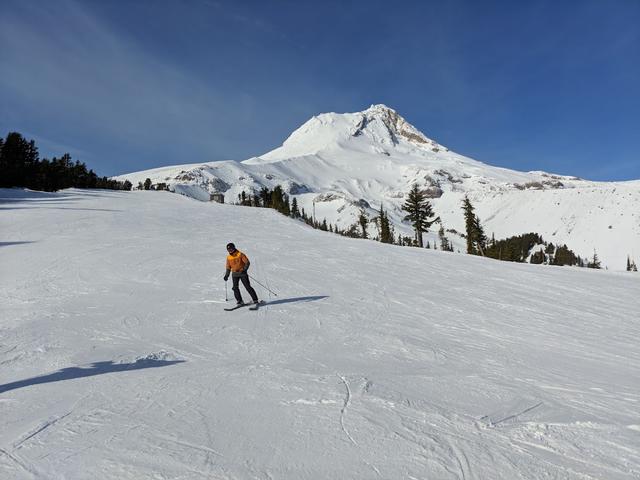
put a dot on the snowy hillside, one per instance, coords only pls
(347, 162)
(373, 361)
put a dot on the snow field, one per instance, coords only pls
(373, 361)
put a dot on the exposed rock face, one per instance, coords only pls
(395, 125)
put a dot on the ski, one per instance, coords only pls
(252, 306)
(231, 309)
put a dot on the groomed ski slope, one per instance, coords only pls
(117, 360)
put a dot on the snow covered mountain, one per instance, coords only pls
(374, 361)
(345, 163)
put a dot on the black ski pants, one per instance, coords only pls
(247, 285)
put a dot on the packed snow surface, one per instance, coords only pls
(373, 361)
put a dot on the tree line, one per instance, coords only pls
(419, 213)
(21, 166)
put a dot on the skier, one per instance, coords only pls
(237, 266)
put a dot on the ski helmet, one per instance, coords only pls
(231, 246)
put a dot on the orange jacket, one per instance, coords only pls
(237, 262)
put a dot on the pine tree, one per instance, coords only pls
(363, 221)
(445, 245)
(286, 207)
(295, 213)
(18, 161)
(631, 265)
(265, 197)
(476, 239)
(419, 212)
(469, 222)
(538, 257)
(595, 261)
(147, 184)
(480, 237)
(386, 233)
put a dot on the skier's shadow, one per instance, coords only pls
(296, 299)
(97, 368)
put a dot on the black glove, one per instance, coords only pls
(226, 277)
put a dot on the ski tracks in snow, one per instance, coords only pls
(17, 444)
(343, 412)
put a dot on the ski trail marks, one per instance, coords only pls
(40, 429)
(495, 423)
(343, 411)
(24, 466)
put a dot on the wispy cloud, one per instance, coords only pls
(63, 63)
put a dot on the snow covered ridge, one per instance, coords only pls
(374, 156)
(374, 361)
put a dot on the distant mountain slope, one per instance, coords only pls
(347, 162)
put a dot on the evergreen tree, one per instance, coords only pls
(564, 256)
(363, 221)
(244, 199)
(445, 245)
(476, 239)
(265, 197)
(147, 184)
(631, 265)
(18, 161)
(513, 249)
(419, 212)
(595, 261)
(538, 257)
(469, 221)
(295, 213)
(480, 238)
(386, 234)
(20, 166)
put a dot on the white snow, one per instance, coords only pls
(375, 155)
(373, 361)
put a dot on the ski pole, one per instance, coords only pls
(226, 298)
(262, 285)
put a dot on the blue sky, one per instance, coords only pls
(131, 85)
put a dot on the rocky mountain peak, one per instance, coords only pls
(395, 125)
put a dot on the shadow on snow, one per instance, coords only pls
(296, 299)
(6, 244)
(97, 368)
